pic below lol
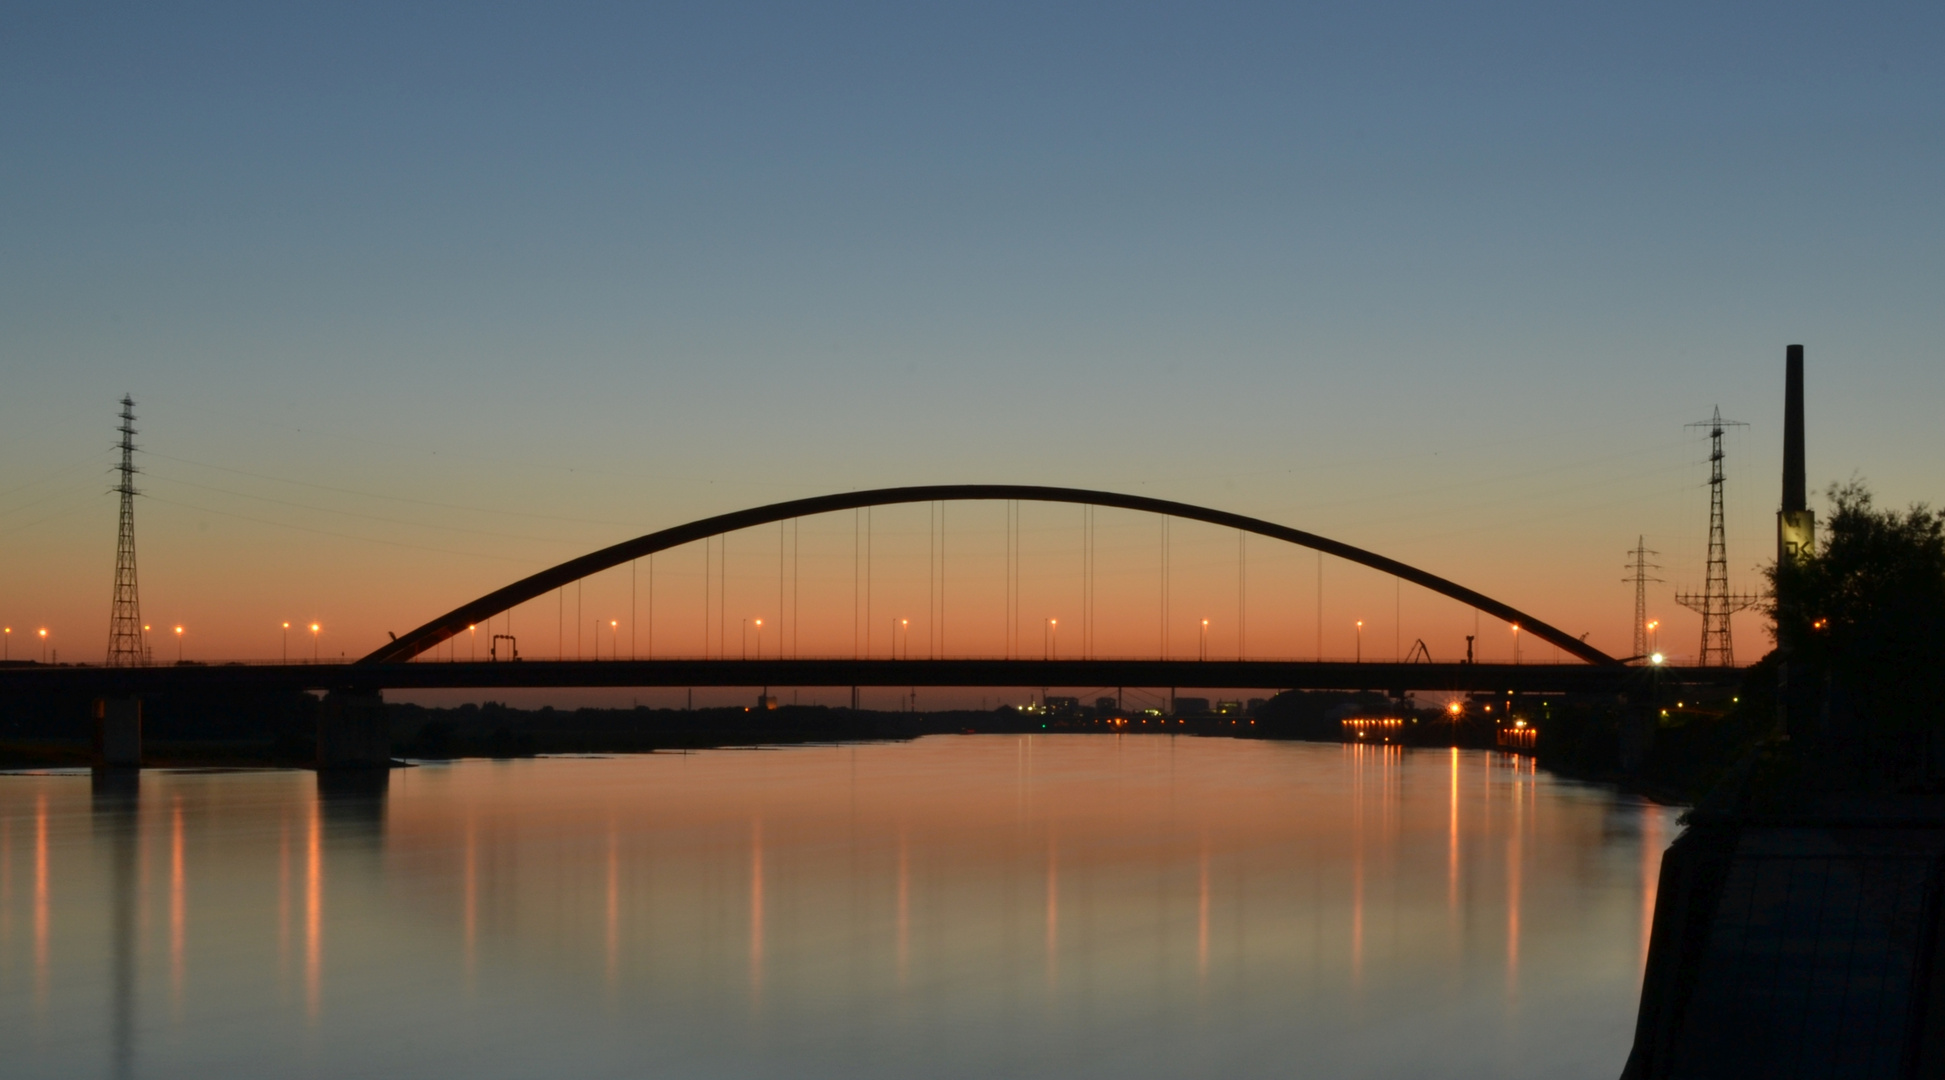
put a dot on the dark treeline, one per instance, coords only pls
(254, 728)
(280, 729)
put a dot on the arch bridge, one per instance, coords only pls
(475, 612)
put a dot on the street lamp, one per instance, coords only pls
(472, 642)
(43, 644)
(1205, 640)
(904, 626)
(1516, 643)
(759, 640)
(178, 644)
(1653, 625)
(614, 638)
(286, 643)
(1360, 641)
(314, 629)
(7, 649)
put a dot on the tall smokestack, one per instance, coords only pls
(1796, 526)
(1794, 495)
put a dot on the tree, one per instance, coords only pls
(1862, 622)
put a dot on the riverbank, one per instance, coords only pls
(286, 737)
(493, 730)
(1799, 930)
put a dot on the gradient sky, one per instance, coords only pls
(418, 299)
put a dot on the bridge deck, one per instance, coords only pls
(1186, 674)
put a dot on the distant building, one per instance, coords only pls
(1256, 704)
(1373, 729)
(1191, 706)
(1520, 736)
(1062, 706)
(1229, 708)
(1105, 706)
(766, 701)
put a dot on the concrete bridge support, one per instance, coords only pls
(118, 732)
(1637, 736)
(352, 732)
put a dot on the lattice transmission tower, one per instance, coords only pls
(1715, 602)
(125, 645)
(1638, 567)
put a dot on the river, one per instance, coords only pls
(956, 906)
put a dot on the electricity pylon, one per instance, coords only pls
(1638, 576)
(125, 644)
(1715, 602)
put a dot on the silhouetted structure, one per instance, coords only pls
(1715, 602)
(456, 621)
(1638, 577)
(1799, 924)
(125, 642)
(1796, 523)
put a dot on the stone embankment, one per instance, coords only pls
(1799, 944)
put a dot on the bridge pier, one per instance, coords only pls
(1638, 723)
(352, 732)
(118, 732)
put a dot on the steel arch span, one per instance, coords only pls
(493, 603)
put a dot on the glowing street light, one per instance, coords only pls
(614, 638)
(472, 642)
(1516, 643)
(7, 649)
(178, 644)
(1656, 659)
(314, 630)
(286, 642)
(1205, 640)
(1360, 641)
(43, 644)
(1053, 639)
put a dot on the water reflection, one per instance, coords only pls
(314, 913)
(42, 929)
(116, 797)
(1087, 906)
(178, 926)
(471, 890)
(1053, 910)
(904, 904)
(756, 912)
(1202, 918)
(614, 904)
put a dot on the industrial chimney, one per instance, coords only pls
(1796, 524)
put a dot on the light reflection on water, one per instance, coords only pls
(957, 906)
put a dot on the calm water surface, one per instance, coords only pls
(960, 906)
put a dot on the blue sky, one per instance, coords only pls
(1443, 280)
